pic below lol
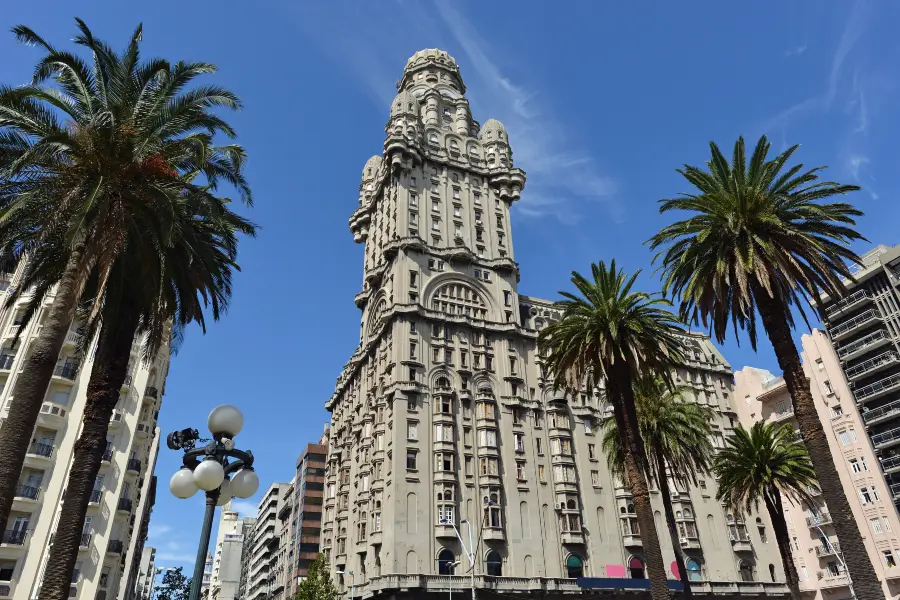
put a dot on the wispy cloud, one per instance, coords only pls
(247, 508)
(796, 51)
(158, 530)
(854, 163)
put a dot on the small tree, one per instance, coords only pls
(175, 586)
(317, 585)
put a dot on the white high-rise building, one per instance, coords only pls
(263, 557)
(115, 525)
(231, 543)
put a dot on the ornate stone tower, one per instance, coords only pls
(443, 413)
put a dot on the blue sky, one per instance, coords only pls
(602, 101)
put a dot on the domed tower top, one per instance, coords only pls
(405, 103)
(432, 68)
(371, 168)
(493, 131)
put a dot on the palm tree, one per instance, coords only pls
(84, 153)
(758, 238)
(153, 283)
(676, 434)
(766, 463)
(610, 332)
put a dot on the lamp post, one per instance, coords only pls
(208, 468)
(840, 556)
(452, 566)
(470, 551)
(352, 581)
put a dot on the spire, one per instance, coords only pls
(432, 68)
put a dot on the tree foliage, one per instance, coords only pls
(175, 585)
(318, 584)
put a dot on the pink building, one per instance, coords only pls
(816, 550)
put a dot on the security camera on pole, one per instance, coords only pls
(219, 469)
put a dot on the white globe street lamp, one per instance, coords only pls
(219, 469)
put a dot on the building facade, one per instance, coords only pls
(306, 516)
(814, 546)
(114, 529)
(864, 327)
(146, 573)
(444, 412)
(262, 555)
(233, 532)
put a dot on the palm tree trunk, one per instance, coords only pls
(635, 462)
(865, 582)
(31, 384)
(670, 520)
(776, 515)
(108, 374)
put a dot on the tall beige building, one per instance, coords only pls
(115, 526)
(263, 556)
(231, 541)
(444, 412)
(814, 546)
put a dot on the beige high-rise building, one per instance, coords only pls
(231, 541)
(814, 546)
(444, 416)
(115, 526)
(263, 556)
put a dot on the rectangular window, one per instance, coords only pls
(538, 446)
(520, 470)
(889, 559)
(852, 433)
(520, 442)
(412, 350)
(595, 478)
(412, 430)
(413, 200)
(443, 432)
(463, 358)
(412, 181)
(542, 475)
(499, 221)
(592, 452)
(457, 210)
(412, 278)
(876, 525)
(506, 297)
(410, 460)
(513, 366)
(489, 363)
(455, 193)
(538, 418)
(476, 198)
(458, 231)
(468, 466)
(487, 438)
(845, 438)
(448, 357)
(435, 225)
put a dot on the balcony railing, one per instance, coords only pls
(862, 368)
(840, 305)
(124, 504)
(6, 361)
(879, 387)
(886, 437)
(95, 496)
(823, 518)
(134, 465)
(152, 392)
(856, 322)
(107, 455)
(40, 449)
(27, 491)
(85, 540)
(862, 343)
(14, 537)
(870, 416)
(828, 549)
(892, 462)
(69, 371)
(115, 547)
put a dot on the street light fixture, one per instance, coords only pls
(470, 551)
(208, 468)
(350, 573)
(452, 566)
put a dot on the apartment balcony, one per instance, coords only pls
(895, 490)
(6, 362)
(886, 439)
(867, 343)
(27, 493)
(96, 495)
(828, 580)
(143, 429)
(127, 383)
(107, 456)
(6, 589)
(632, 540)
(823, 518)
(741, 544)
(124, 505)
(857, 323)
(52, 414)
(857, 298)
(115, 547)
(872, 365)
(782, 416)
(38, 453)
(85, 542)
(493, 534)
(73, 338)
(823, 550)
(133, 466)
(882, 413)
(878, 389)
(115, 421)
(891, 464)
(66, 373)
(13, 537)
(690, 543)
(571, 537)
(151, 392)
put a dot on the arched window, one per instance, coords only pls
(454, 146)
(693, 569)
(574, 567)
(445, 562)
(492, 509)
(688, 514)
(636, 568)
(493, 564)
(745, 570)
(442, 383)
(570, 504)
(446, 506)
(459, 299)
(433, 138)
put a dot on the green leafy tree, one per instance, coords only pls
(128, 187)
(175, 585)
(676, 434)
(759, 238)
(611, 332)
(318, 584)
(766, 463)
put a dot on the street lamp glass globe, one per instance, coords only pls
(224, 493)
(208, 475)
(244, 483)
(182, 484)
(226, 419)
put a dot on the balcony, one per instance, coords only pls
(6, 589)
(143, 429)
(152, 392)
(124, 505)
(40, 449)
(85, 541)
(831, 549)
(823, 518)
(872, 365)
(572, 537)
(133, 466)
(116, 419)
(891, 464)
(630, 540)
(52, 413)
(861, 320)
(829, 580)
(115, 547)
(73, 338)
(895, 490)
(6, 362)
(878, 389)
(857, 298)
(493, 534)
(741, 543)
(690, 543)
(14, 537)
(874, 340)
(778, 417)
(882, 413)
(886, 439)
(67, 372)
(26, 492)
(95, 496)
(107, 455)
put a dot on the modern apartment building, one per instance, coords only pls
(864, 327)
(444, 412)
(114, 529)
(815, 547)
(146, 573)
(280, 576)
(136, 550)
(262, 558)
(225, 576)
(306, 516)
